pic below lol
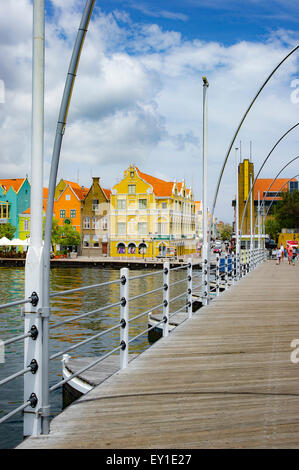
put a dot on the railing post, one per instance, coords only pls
(166, 288)
(189, 288)
(226, 272)
(217, 274)
(124, 317)
(204, 267)
(233, 269)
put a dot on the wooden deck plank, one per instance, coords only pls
(223, 379)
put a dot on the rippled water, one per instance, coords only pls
(12, 324)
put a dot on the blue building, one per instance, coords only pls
(14, 200)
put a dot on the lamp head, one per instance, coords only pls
(205, 81)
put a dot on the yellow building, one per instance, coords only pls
(150, 217)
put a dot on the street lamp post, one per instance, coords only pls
(205, 275)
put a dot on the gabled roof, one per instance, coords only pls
(262, 185)
(161, 188)
(80, 192)
(15, 183)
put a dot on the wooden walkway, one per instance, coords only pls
(223, 379)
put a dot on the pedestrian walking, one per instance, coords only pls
(282, 252)
(294, 255)
(290, 254)
(278, 256)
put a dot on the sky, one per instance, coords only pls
(138, 94)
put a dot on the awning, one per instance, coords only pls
(15, 242)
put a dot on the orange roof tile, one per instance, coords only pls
(107, 193)
(81, 192)
(16, 183)
(161, 188)
(262, 185)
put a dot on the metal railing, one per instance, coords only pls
(222, 273)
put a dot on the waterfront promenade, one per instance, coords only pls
(223, 379)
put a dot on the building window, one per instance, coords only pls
(104, 223)
(121, 248)
(67, 197)
(95, 223)
(86, 222)
(121, 203)
(162, 228)
(95, 240)
(95, 204)
(293, 186)
(142, 249)
(26, 224)
(132, 188)
(162, 249)
(164, 205)
(131, 249)
(142, 204)
(86, 241)
(62, 213)
(132, 174)
(121, 228)
(73, 213)
(142, 228)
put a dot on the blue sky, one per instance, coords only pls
(220, 20)
(138, 93)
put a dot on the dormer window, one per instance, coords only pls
(132, 174)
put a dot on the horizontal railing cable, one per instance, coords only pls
(147, 330)
(91, 338)
(145, 313)
(17, 302)
(184, 266)
(177, 297)
(145, 275)
(79, 289)
(17, 374)
(15, 411)
(145, 293)
(82, 315)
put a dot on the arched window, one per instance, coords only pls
(131, 249)
(121, 248)
(142, 249)
(162, 249)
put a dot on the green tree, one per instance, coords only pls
(273, 228)
(7, 230)
(55, 236)
(226, 232)
(286, 212)
(68, 236)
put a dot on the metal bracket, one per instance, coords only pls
(44, 312)
(123, 345)
(33, 366)
(123, 280)
(123, 323)
(34, 332)
(123, 302)
(33, 400)
(34, 299)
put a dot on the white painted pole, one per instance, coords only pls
(237, 232)
(259, 221)
(251, 226)
(34, 265)
(205, 253)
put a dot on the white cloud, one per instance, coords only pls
(138, 98)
